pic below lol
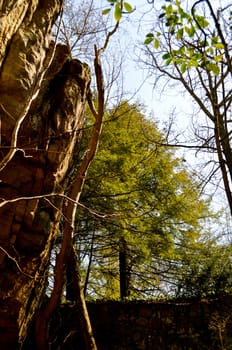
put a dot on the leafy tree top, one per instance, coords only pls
(194, 36)
(142, 193)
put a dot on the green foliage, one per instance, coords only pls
(194, 50)
(118, 11)
(106, 11)
(127, 7)
(143, 194)
(191, 38)
(119, 7)
(206, 270)
(149, 38)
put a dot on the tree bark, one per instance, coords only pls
(78, 292)
(124, 269)
(43, 95)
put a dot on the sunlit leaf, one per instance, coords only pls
(179, 34)
(149, 38)
(147, 41)
(106, 11)
(201, 22)
(183, 68)
(215, 69)
(127, 7)
(156, 43)
(211, 50)
(168, 61)
(190, 31)
(193, 63)
(218, 58)
(117, 12)
(214, 40)
(169, 9)
(212, 67)
(219, 46)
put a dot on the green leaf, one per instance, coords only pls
(147, 41)
(214, 40)
(210, 50)
(161, 15)
(212, 67)
(166, 56)
(156, 43)
(218, 58)
(127, 7)
(150, 35)
(183, 68)
(190, 31)
(172, 30)
(106, 11)
(169, 9)
(168, 61)
(204, 43)
(215, 69)
(201, 21)
(193, 63)
(149, 38)
(219, 46)
(118, 12)
(179, 34)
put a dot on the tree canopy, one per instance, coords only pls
(141, 205)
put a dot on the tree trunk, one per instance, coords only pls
(124, 269)
(78, 293)
(43, 94)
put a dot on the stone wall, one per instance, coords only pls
(159, 325)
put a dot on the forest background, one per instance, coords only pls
(101, 196)
(147, 251)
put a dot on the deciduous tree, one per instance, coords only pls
(192, 47)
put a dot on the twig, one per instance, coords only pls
(16, 263)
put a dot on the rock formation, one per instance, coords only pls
(43, 94)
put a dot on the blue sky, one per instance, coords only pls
(161, 102)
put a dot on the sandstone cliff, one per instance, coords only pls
(42, 99)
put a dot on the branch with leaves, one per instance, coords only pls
(120, 7)
(191, 48)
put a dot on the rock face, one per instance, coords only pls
(42, 99)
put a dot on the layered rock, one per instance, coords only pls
(43, 93)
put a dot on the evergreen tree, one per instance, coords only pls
(140, 204)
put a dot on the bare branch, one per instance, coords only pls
(16, 262)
